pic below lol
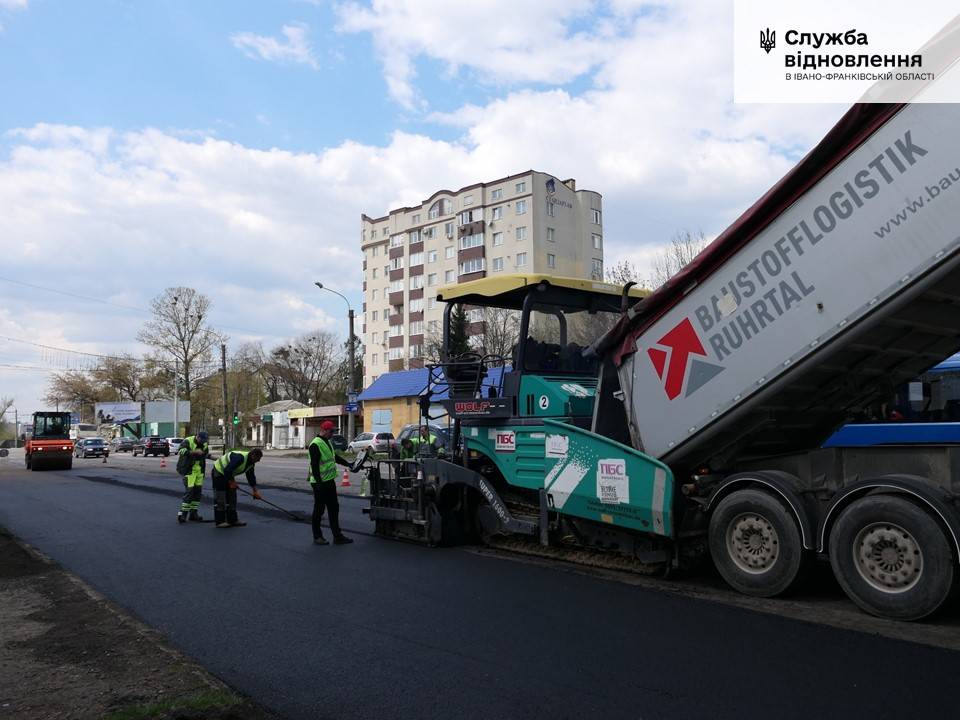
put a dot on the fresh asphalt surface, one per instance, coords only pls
(389, 630)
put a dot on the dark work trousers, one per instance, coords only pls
(325, 496)
(224, 499)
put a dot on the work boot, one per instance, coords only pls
(320, 541)
(342, 540)
(223, 525)
(195, 516)
(237, 524)
(182, 518)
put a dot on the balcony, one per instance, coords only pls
(395, 297)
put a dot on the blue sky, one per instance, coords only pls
(252, 135)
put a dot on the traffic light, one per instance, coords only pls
(236, 418)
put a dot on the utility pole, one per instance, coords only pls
(223, 378)
(351, 390)
(176, 398)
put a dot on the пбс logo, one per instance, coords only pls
(671, 364)
(768, 40)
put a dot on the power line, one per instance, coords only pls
(107, 302)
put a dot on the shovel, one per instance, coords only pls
(293, 516)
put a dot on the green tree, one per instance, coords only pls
(459, 342)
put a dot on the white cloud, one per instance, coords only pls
(13, 4)
(293, 48)
(503, 41)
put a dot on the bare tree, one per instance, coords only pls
(74, 390)
(683, 248)
(123, 376)
(307, 368)
(624, 272)
(5, 404)
(179, 332)
(501, 332)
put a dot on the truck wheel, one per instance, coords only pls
(68, 464)
(891, 558)
(26, 460)
(755, 543)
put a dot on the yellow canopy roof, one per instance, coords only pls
(509, 290)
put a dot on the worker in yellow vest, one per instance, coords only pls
(193, 455)
(225, 470)
(323, 481)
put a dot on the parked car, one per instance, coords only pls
(381, 442)
(122, 444)
(153, 445)
(90, 447)
(175, 444)
(442, 434)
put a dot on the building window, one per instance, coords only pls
(386, 270)
(416, 305)
(395, 354)
(386, 313)
(374, 359)
(475, 315)
(416, 327)
(415, 219)
(551, 235)
(448, 229)
(496, 213)
(397, 240)
(414, 236)
(497, 239)
(521, 259)
(597, 269)
(431, 280)
(416, 259)
(432, 256)
(596, 241)
(467, 200)
(497, 264)
(449, 276)
(416, 351)
(432, 303)
(374, 298)
(521, 232)
(521, 187)
(416, 282)
(396, 331)
(428, 233)
(468, 216)
(373, 274)
(521, 207)
(375, 335)
(595, 214)
(448, 252)
(433, 326)
(472, 266)
(496, 194)
(551, 260)
(396, 263)
(551, 208)
(469, 241)
(376, 250)
(396, 286)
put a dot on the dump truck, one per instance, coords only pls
(648, 433)
(50, 446)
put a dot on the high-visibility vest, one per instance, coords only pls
(221, 464)
(191, 444)
(328, 462)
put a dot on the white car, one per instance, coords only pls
(380, 442)
(175, 444)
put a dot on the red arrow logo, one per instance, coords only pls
(683, 342)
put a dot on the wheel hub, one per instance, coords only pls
(752, 543)
(887, 557)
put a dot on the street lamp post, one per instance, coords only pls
(352, 388)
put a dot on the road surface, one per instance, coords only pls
(389, 630)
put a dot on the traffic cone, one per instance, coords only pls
(163, 463)
(345, 482)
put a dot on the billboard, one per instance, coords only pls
(119, 412)
(161, 411)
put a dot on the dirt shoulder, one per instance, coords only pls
(66, 652)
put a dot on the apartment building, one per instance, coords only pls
(531, 222)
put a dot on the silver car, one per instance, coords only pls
(381, 442)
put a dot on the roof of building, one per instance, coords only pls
(413, 383)
(279, 406)
(509, 290)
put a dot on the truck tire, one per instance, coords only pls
(891, 557)
(755, 543)
(26, 460)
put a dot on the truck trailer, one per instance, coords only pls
(647, 432)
